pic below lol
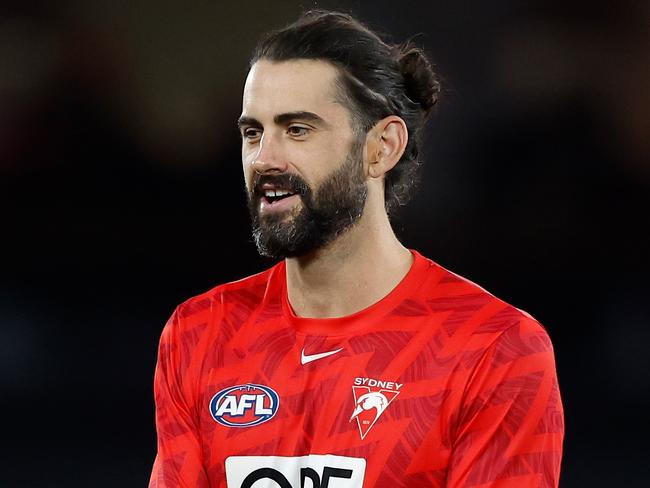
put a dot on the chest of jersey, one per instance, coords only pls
(291, 410)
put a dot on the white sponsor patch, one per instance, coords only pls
(312, 471)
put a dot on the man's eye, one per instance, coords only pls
(297, 130)
(251, 133)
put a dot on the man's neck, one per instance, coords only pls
(359, 268)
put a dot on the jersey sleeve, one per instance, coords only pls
(178, 460)
(509, 430)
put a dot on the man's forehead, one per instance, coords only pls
(286, 86)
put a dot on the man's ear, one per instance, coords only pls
(386, 144)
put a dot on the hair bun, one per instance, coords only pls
(421, 83)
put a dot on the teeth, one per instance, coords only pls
(276, 193)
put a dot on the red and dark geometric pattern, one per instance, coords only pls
(478, 406)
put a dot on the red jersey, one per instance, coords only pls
(439, 384)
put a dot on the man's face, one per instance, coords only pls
(302, 160)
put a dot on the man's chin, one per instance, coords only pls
(289, 236)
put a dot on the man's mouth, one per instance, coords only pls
(278, 193)
(275, 199)
(275, 195)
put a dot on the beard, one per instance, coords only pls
(327, 212)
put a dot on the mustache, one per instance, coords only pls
(287, 181)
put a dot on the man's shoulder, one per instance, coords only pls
(469, 304)
(245, 292)
(471, 322)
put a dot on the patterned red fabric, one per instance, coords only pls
(460, 388)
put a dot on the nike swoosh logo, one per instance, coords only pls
(304, 358)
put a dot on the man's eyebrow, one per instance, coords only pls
(281, 119)
(248, 121)
(284, 118)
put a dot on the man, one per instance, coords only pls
(354, 362)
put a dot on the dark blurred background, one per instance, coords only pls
(122, 195)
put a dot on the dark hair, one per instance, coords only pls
(377, 79)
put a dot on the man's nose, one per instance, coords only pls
(269, 158)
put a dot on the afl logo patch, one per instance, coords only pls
(244, 405)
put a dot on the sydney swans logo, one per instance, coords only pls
(371, 398)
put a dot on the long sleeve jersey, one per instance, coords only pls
(439, 384)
